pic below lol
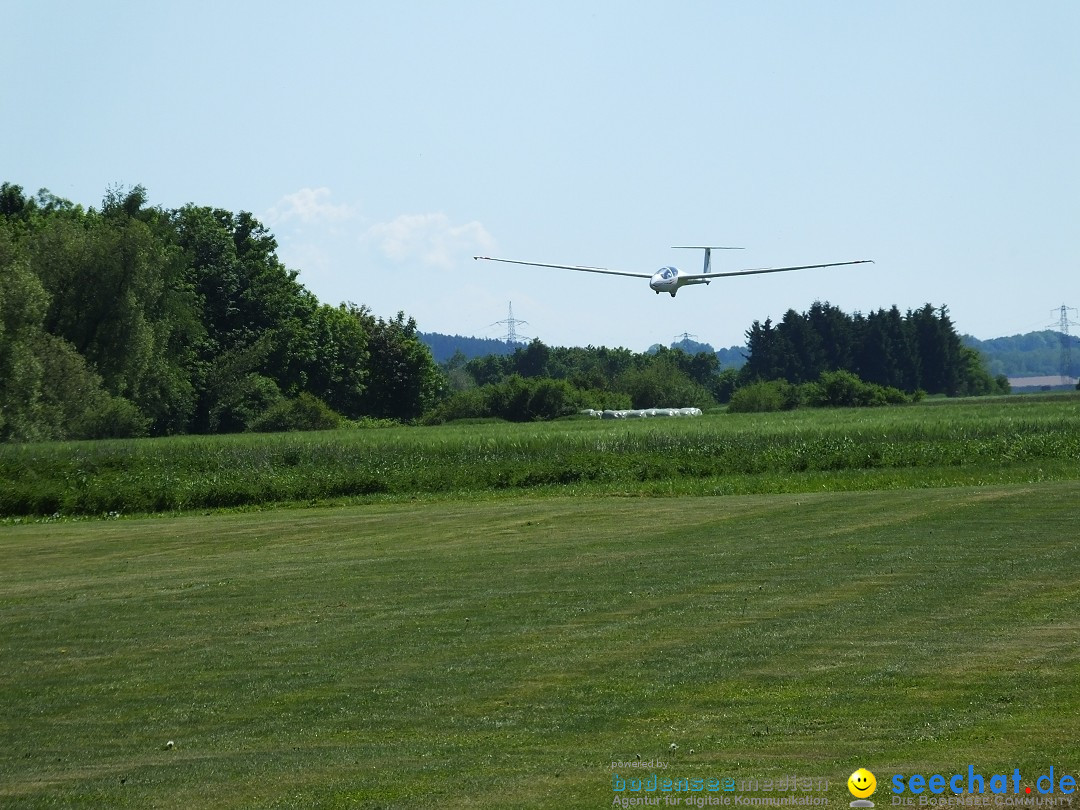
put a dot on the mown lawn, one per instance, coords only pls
(503, 652)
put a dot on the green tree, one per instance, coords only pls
(938, 346)
(767, 353)
(254, 311)
(491, 368)
(47, 390)
(403, 380)
(920, 350)
(73, 401)
(117, 294)
(975, 379)
(233, 392)
(723, 385)
(457, 376)
(23, 302)
(532, 361)
(836, 334)
(804, 355)
(14, 204)
(874, 358)
(661, 384)
(338, 370)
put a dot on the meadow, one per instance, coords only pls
(931, 444)
(477, 645)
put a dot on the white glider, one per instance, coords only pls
(670, 279)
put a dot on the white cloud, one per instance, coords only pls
(429, 238)
(308, 205)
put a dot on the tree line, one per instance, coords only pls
(917, 351)
(1035, 354)
(133, 320)
(538, 382)
(823, 357)
(443, 347)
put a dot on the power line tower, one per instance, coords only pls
(1066, 342)
(685, 336)
(511, 323)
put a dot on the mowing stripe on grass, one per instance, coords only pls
(504, 653)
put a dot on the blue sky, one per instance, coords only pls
(387, 143)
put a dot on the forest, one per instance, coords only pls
(135, 320)
(1034, 354)
(823, 357)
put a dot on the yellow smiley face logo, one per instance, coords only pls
(861, 783)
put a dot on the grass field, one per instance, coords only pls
(989, 441)
(502, 652)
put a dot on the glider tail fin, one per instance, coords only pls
(708, 253)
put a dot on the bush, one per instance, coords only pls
(842, 389)
(606, 400)
(722, 386)
(243, 403)
(521, 399)
(467, 404)
(551, 399)
(509, 399)
(761, 397)
(110, 417)
(662, 385)
(838, 389)
(306, 412)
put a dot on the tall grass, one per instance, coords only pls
(760, 452)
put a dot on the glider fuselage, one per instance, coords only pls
(669, 279)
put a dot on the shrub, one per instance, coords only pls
(894, 396)
(467, 404)
(551, 399)
(244, 402)
(662, 385)
(760, 397)
(605, 400)
(109, 417)
(842, 389)
(306, 412)
(510, 399)
(722, 386)
(838, 389)
(521, 399)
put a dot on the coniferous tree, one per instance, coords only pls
(919, 350)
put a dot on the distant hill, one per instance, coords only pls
(731, 357)
(1034, 354)
(443, 347)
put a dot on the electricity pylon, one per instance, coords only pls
(511, 324)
